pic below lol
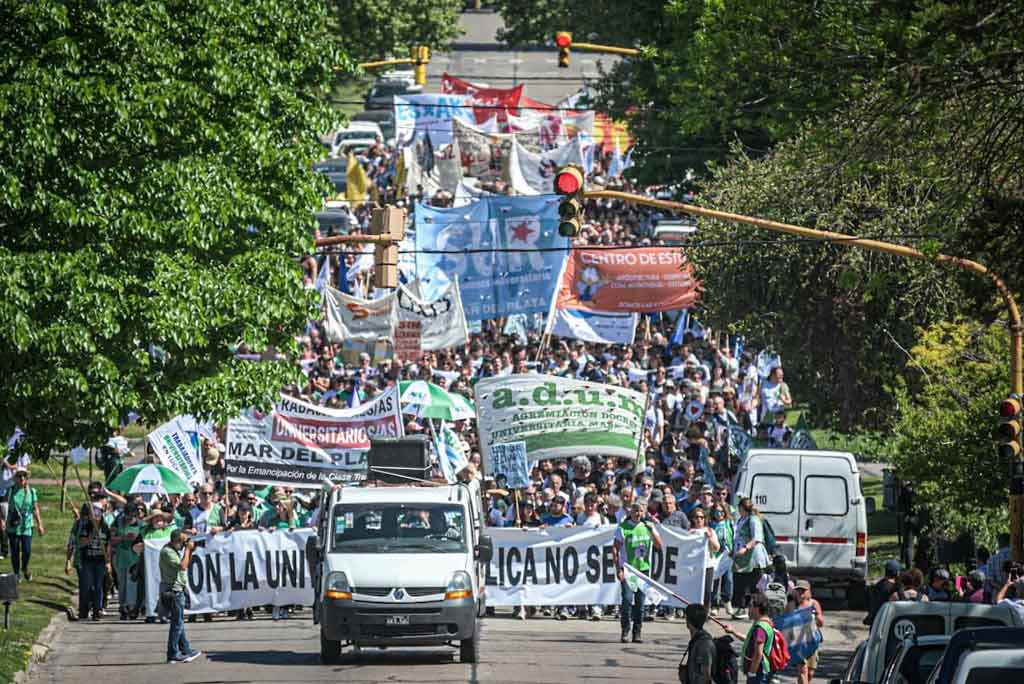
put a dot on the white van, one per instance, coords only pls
(400, 566)
(813, 501)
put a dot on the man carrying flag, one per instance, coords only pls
(632, 546)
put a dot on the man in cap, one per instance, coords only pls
(938, 587)
(883, 589)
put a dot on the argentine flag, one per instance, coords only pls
(449, 453)
(801, 632)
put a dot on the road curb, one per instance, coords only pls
(43, 644)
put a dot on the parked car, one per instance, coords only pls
(1001, 666)
(382, 117)
(899, 621)
(813, 501)
(915, 659)
(967, 641)
(361, 134)
(335, 171)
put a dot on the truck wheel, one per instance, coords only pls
(857, 596)
(469, 649)
(330, 650)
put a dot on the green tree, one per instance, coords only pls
(947, 412)
(155, 194)
(368, 30)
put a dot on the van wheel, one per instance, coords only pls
(469, 649)
(857, 596)
(330, 650)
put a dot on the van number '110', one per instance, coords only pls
(761, 499)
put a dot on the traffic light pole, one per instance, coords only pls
(1016, 328)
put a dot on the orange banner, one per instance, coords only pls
(644, 280)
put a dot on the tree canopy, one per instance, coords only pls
(374, 29)
(155, 193)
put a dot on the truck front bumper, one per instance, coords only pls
(422, 624)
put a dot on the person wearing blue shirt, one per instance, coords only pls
(556, 515)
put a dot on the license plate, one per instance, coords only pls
(396, 620)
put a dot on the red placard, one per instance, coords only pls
(643, 280)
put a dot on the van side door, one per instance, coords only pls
(828, 521)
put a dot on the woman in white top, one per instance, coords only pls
(698, 523)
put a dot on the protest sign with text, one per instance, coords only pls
(487, 102)
(176, 445)
(574, 566)
(299, 444)
(353, 318)
(558, 417)
(642, 280)
(417, 116)
(510, 460)
(601, 328)
(234, 570)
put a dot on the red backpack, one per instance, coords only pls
(778, 657)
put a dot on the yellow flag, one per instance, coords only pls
(357, 182)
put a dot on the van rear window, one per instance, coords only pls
(772, 493)
(825, 495)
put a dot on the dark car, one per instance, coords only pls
(335, 171)
(382, 95)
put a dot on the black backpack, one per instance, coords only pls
(726, 669)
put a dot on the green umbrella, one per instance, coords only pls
(150, 478)
(426, 400)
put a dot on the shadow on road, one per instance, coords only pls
(389, 657)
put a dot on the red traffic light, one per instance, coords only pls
(563, 39)
(1008, 408)
(568, 181)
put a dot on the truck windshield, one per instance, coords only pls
(399, 528)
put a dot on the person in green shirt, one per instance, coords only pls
(633, 542)
(125, 531)
(157, 525)
(23, 517)
(174, 560)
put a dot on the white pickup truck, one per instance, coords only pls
(398, 566)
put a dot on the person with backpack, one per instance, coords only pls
(700, 665)
(751, 556)
(759, 643)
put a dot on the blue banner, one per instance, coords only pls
(479, 242)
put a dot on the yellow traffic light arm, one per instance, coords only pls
(420, 58)
(386, 63)
(610, 49)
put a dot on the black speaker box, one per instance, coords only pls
(401, 460)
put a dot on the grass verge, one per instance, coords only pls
(883, 542)
(50, 590)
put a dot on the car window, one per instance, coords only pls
(772, 493)
(907, 626)
(826, 495)
(994, 675)
(920, 662)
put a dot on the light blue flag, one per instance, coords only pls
(505, 251)
(449, 453)
(801, 633)
(766, 360)
(681, 325)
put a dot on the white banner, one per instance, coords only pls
(557, 417)
(429, 325)
(299, 444)
(352, 318)
(560, 566)
(234, 570)
(412, 324)
(419, 115)
(173, 445)
(600, 328)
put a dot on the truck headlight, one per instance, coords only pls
(460, 586)
(338, 587)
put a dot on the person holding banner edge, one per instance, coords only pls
(633, 540)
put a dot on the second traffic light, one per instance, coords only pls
(1009, 431)
(569, 184)
(563, 40)
(421, 57)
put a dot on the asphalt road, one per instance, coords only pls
(478, 57)
(536, 650)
